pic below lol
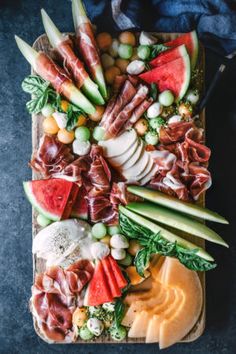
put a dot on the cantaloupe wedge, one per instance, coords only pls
(140, 325)
(183, 319)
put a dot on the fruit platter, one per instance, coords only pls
(119, 174)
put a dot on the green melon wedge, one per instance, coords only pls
(176, 204)
(169, 236)
(176, 220)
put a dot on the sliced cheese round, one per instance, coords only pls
(120, 144)
(129, 163)
(132, 173)
(147, 169)
(149, 175)
(119, 160)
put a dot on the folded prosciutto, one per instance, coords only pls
(55, 295)
(181, 160)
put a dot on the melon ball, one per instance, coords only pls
(127, 38)
(104, 41)
(107, 61)
(122, 64)
(141, 126)
(65, 136)
(111, 73)
(97, 115)
(50, 125)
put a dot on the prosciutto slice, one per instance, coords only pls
(119, 122)
(101, 209)
(54, 297)
(120, 195)
(174, 132)
(138, 112)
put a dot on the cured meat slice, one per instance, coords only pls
(138, 112)
(174, 132)
(118, 124)
(101, 209)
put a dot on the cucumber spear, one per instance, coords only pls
(64, 47)
(50, 71)
(87, 45)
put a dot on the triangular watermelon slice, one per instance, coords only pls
(174, 75)
(111, 277)
(80, 206)
(121, 281)
(169, 55)
(98, 291)
(191, 42)
(52, 198)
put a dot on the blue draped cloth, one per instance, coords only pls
(214, 20)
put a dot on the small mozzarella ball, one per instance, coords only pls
(95, 326)
(79, 316)
(154, 110)
(107, 61)
(61, 119)
(99, 250)
(66, 137)
(174, 119)
(119, 241)
(106, 239)
(125, 51)
(146, 38)
(136, 67)
(122, 64)
(97, 115)
(166, 98)
(112, 230)
(141, 126)
(81, 148)
(104, 41)
(47, 110)
(192, 96)
(143, 52)
(85, 333)
(118, 253)
(118, 333)
(81, 120)
(151, 138)
(109, 306)
(50, 125)
(43, 221)
(82, 133)
(185, 110)
(113, 50)
(99, 133)
(127, 38)
(127, 261)
(111, 73)
(134, 247)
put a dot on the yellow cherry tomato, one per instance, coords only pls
(141, 126)
(50, 125)
(111, 73)
(127, 38)
(79, 316)
(104, 41)
(66, 137)
(122, 64)
(81, 120)
(106, 240)
(64, 105)
(134, 247)
(97, 115)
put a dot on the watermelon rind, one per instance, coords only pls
(33, 201)
(186, 82)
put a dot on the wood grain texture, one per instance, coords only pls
(38, 265)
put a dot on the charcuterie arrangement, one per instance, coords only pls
(122, 166)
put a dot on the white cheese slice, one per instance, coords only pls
(120, 144)
(134, 158)
(117, 161)
(132, 173)
(149, 176)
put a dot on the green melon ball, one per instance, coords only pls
(82, 133)
(98, 133)
(99, 230)
(113, 230)
(151, 138)
(118, 333)
(43, 221)
(125, 51)
(85, 333)
(166, 98)
(143, 52)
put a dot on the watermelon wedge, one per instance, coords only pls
(80, 206)
(169, 55)
(191, 42)
(52, 198)
(121, 281)
(174, 75)
(98, 291)
(115, 291)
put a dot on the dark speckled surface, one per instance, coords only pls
(16, 330)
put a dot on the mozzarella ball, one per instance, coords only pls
(192, 96)
(118, 253)
(81, 148)
(47, 110)
(146, 38)
(154, 110)
(136, 67)
(119, 241)
(99, 250)
(174, 119)
(61, 119)
(95, 326)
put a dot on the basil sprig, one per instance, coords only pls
(155, 243)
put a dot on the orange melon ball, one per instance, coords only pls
(127, 38)
(79, 316)
(122, 64)
(141, 126)
(50, 125)
(81, 120)
(64, 105)
(97, 115)
(65, 136)
(111, 73)
(134, 247)
(106, 240)
(104, 41)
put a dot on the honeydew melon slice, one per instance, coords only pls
(134, 158)
(132, 173)
(119, 160)
(118, 145)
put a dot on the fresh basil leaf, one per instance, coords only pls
(119, 312)
(157, 49)
(141, 260)
(153, 91)
(34, 84)
(35, 105)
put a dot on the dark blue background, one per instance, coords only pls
(16, 330)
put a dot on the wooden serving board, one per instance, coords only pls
(39, 265)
